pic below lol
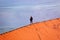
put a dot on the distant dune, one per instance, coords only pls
(46, 30)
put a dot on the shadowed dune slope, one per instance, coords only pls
(46, 30)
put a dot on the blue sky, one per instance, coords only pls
(16, 13)
(27, 2)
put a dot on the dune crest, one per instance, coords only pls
(46, 30)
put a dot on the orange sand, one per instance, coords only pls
(47, 30)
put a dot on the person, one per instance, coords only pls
(31, 19)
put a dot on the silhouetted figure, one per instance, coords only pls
(31, 19)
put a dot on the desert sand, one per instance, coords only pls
(46, 30)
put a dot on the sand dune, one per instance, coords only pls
(46, 30)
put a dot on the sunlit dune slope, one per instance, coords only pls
(46, 30)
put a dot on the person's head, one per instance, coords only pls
(30, 16)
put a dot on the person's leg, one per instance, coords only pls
(31, 20)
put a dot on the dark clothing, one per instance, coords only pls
(31, 19)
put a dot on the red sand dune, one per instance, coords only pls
(47, 30)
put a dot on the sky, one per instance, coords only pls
(16, 13)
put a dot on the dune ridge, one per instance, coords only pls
(46, 30)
